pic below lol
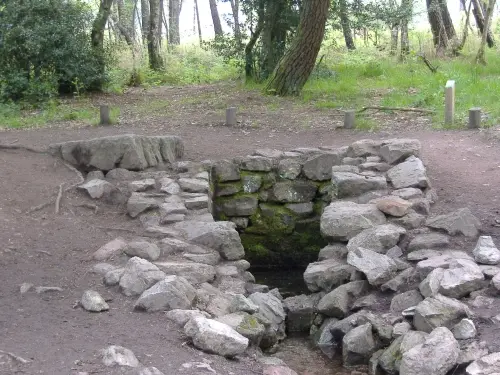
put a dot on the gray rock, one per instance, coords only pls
(226, 270)
(129, 151)
(461, 278)
(471, 352)
(486, 252)
(438, 311)
(489, 271)
(345, 168)
(142, 249)
(412, 339)
(171, 246)
(353, 161)
(496, 281)
(428, 241)
(326, 275)
(334, 251)
(365, 301)
(173, 292)
(300, 313)
(293, 191)
(421, 206)
(378, 239)
(319, 167)
(181, 317)
(408, 193)
(378, 268)
(269, 153)
(197, 203)
(437, 355)
(373, 367)
(424, 267)
(138, 203)
(113, 277)
(92, 301)
(120, 174)
(464, 330)
(400, 329)
(169, 209)
(358, 345)
(240, 303)
(142, 185)
(246, 325)
(220, 236)
(110, 249)
(344, 220)
(338, 302)
(374, 167)
(412, 220)
(301, 208)
(390, 359)
(251, 184)
(225, 171)
(405, 300)
(169, 186)
(150, 371)
(431, 284)
(323, 338)
(270, 310)
(115, 355)
(103, 268)
(364, 147)
(94, 175)
(423, 254)
(289, 168)
(396, 150)
(394, 252)
(241, 222)
(256, 164)
(410, 173)
(25, 288)
(458, 222)
(97, 189)
(48, 289)
(193, 185)
(400, 281)
(240, 206)
(195, 273)
(139, 275)
(346, 184)
(215, 337)
(487, 365)
(393, 205)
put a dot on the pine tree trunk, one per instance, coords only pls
(480, 58)
(174, 12)
(215, 18)
(155, 59)
(346, 27)
(394, 38)
(196, 9)
(297, 64)
(235, 8)
(145, 20)
(477, 11)
(273, 37)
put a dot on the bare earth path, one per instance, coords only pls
(53, 250)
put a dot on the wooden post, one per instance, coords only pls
(449, 109)
(231, 116)
(104, 115)
(349, 119)
(474, 118)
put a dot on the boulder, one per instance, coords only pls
(139, 275)
(408, 193)
(139, 203)
(390, 359)
(197, 203)
(338, 302)
(471, 352)
(400, 329)
(226, 171)
(113, 277)
(364, 147)
(278, 370)
(401, 281)
(173, 292)
(344, 220)
(438, 311)
(181, 317)
(486, 252)
(393, 206)
(424, 267)
(97, 189)
(431, 284)
(458, 222)
(379, 239)
(495, 281)
(128, 151)
(241, 303)
(150, 371)
(461, 278)
(103, 268)
(246, 325)
(464, 330)
(110, 249)
(256, 164)
(423, 254)
(428, 241)
(92, 301)
(410, 173)
(378, 268)
(323, 338)
(220, 236)
(319, 167)
(358, 345)
(289, 168)
(270, 310)
(215, 337)
(251, 184)
(487, 365)
(346, 184)
(405, 300)
(412, 220)
(300, 313)
(396, 150)
(374, 167)
(142, 185)
(115, 355)
(327, 274)
(142, 249)
(195, 273)
(169, 186)
(240, 206)
(193, 185)
(293, 191)
(489, 271)
(333, 251)
(436, 356)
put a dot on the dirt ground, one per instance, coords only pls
(46, 249)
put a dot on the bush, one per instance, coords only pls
(45, 49)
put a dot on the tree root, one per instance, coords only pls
(58, 199)
(15, 357)
(403, 109)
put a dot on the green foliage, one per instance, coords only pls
(45, 50)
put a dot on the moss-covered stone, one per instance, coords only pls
(251, 183)
(228, 188)
(293, 191)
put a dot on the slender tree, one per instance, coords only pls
(480, 58)
(99, 25)
(297, 64)
(478, 12)
(197, 12)
(145, 20)
(215, 17)
(235, 8)
(155, 59)
(346, 25)
(406, 16)
(174, 12)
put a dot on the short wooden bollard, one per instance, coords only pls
(104, 115)
(349, 119)
(449, 106)
(231, 116)
(474, 118)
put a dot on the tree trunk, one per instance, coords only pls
(297, 64)
(155, 59)
(249, 61)
(215, 18)
(406, 12)
(121, 22)
(438, 27)
(99, 25)
(196, 9)
(346, 27)
(174, 11)
(477, 11)
(235, 8)
(161, 9)
(394, 38)
(273, 37)
(480, 58)
(461, 45)
(447, 21)
(145, 20)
